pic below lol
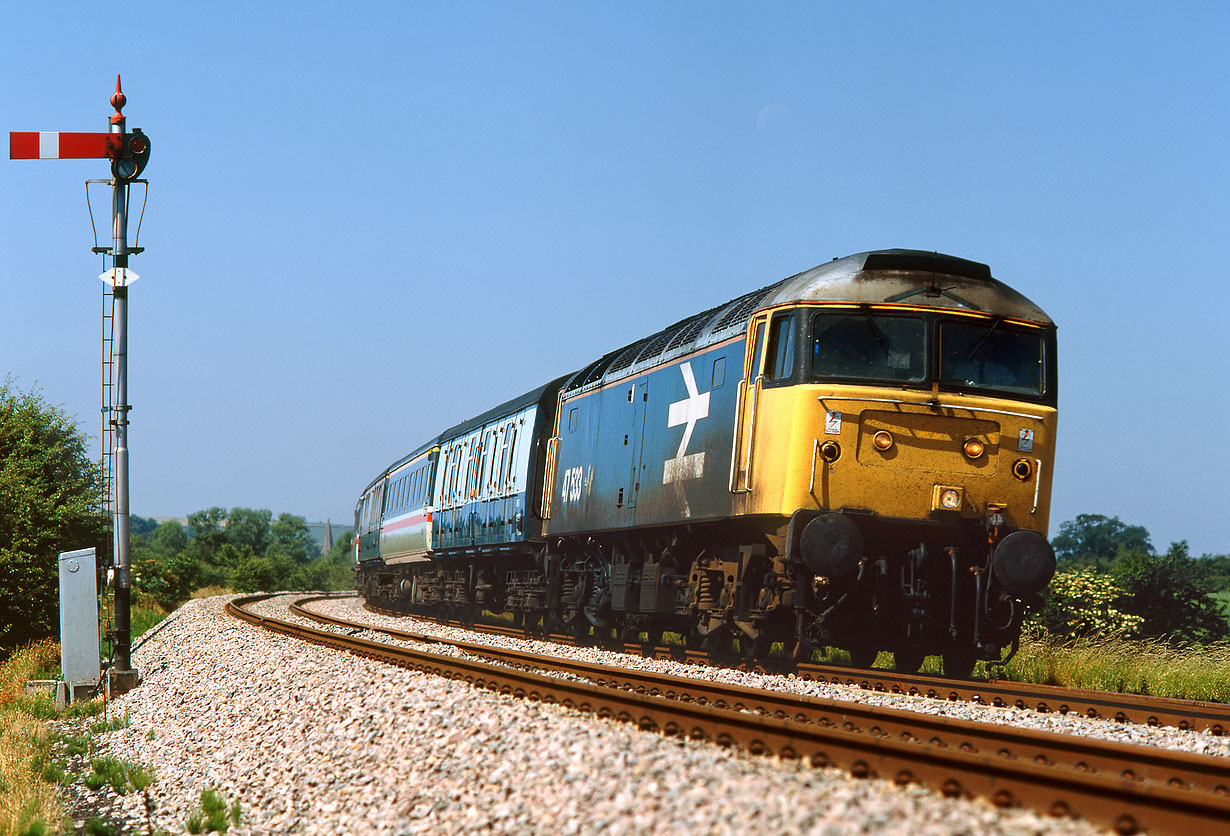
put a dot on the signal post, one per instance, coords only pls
(128, 153)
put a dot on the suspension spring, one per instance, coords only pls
(709, 588)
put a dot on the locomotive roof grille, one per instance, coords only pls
(628, 356)
(863, 278)
(595, 370)
(656, 345)
(692, 328)
(741, 309)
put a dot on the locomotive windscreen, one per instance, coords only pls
(867, 346)
(992, 355)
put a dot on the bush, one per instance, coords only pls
(1085, 603)
(50, 493)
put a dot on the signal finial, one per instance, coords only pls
(118, 100)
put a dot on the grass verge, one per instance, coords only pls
(35, 758)
(1129, 666)
(27, 790)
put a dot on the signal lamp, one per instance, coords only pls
(882, 440)
(830, 451)
(974, 448)
(950, 500)
(1022, 469)
(131, 157)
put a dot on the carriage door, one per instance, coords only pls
(749, 397)
(638, 395)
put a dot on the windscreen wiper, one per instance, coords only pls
(978, 346)
(875, 328)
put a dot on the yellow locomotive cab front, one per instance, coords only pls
(895, 450)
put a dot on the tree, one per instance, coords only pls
(1093, 539)
(138, 526)
(49, 503)
(206, 529)
(292, 539)
(250, 529)
(1172, 593)
(168, 539)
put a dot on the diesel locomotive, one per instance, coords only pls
(858, 456)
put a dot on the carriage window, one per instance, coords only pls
(512, 445)
(781, 348)
(869, 346)
(984, 354)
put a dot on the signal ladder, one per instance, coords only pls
(107, 603)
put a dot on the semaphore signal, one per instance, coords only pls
(128, 153)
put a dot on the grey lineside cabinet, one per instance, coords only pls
(79, 649)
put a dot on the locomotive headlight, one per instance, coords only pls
(1022, 469)
(974, 448)
(882, 440)
(946, 498)
(830, 451)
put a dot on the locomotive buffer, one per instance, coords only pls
(128, 152)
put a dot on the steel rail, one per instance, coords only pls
(1123, 803)
(1188, 715)
(1125, 760)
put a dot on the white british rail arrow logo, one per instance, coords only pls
(687, 411)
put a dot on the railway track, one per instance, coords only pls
(1126, 787)
(1188, 715)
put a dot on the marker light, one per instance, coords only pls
(950, 500)
(830, 451)
(1022, 469)
(882, 440)
(974, 448)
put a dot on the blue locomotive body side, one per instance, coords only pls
(651, 449)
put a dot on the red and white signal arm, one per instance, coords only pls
(62, 145)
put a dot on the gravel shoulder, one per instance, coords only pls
(314, 741)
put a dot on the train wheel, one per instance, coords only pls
(718, 644)
(908, 659)
(653, 637)
(958, 662)
(580, 632)
(863, 657)
(753, 649)
(612, 638)
(800, 651)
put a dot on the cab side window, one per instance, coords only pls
(780, 360)
(759, 341)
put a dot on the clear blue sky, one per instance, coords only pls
(367, 221)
